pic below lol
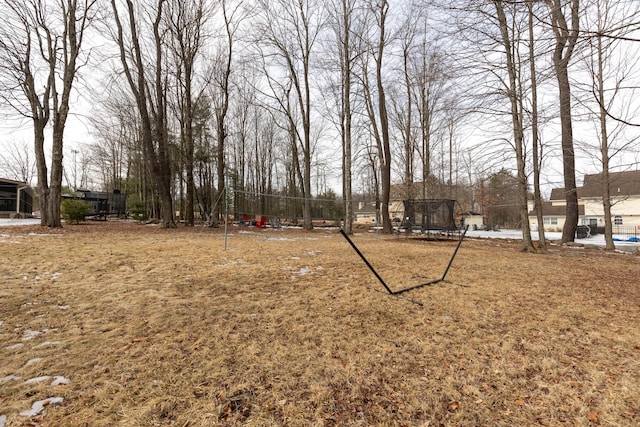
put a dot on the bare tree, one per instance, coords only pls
(17, 162)
(289, 32)
(149, 93)
(116, 133)
(610, 66)
(376, 103)
(187, 20)
(232, 19)
(535, 131)
(565, 23)
(42, 47)
(343, 12)
(403, 101)
(514, 93)
(430, 88)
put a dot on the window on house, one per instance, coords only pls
(617, 220)
(550, 220)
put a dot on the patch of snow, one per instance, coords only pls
(38, 407)
(29, 334)
(8, 222)
(37, 380)
(303, 271)
(59, 380)
(3, 420)
(1, 323)
(10, 378)
(34, 360)
(14, 346)
(55, 276)
(597, 240)
(49, 343)
(63, 307)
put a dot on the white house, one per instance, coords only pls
(365, 212)
(625, 201)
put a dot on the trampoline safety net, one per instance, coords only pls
(432, 214)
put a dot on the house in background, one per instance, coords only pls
(553, 215)
(366, 212)
(16, 199)
(625, 201)
(102, 203)
(474, 220)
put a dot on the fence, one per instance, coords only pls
(625, 232)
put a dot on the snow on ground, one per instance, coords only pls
(6, 222)
(593, 241)
(38, 407)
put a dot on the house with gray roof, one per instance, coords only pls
(625, 201)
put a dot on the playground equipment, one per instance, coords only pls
(430, 217)
(432, 282)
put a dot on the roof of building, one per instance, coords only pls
(365, 207)
(10, 181)
(548, 209)
(621, 184)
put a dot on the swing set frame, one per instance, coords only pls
(411, 288)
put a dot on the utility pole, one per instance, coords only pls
(75, 170)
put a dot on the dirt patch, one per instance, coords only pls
(108, 324)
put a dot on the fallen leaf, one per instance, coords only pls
(594, 416)
(453, 406)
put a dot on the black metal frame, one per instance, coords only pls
(432, 282)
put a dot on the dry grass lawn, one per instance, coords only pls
(132, 325)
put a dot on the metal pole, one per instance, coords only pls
(433, 282)
(226, 215)
(355, 248)
(454, 253)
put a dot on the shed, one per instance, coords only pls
(474, 220)
(16, 199)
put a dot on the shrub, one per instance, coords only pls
(73, 211)
(138, 211)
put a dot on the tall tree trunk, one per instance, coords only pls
(58, 31)
(346, 117)
(516, 119)
(221, 114)
(536, 147)
(291, 29)
(566, 39)
(408, 125)
(604, 149)
(152, 123)
(384, 147)
(41, 166)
